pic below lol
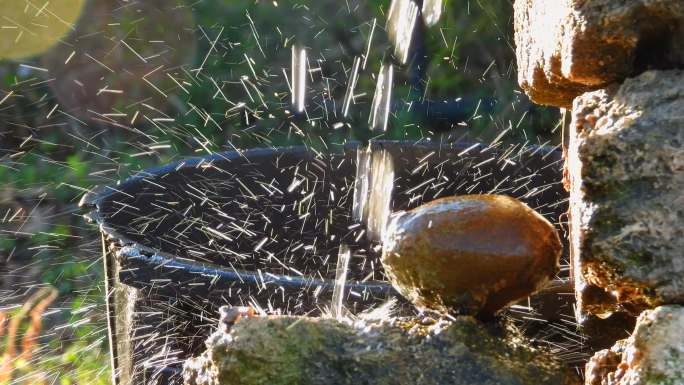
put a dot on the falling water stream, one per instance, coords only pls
(340, 281)
(374, 181)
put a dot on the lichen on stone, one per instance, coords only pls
(299, 350)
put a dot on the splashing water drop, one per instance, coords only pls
(382, 170)
(361, 184)
(379, 116)
(401, 22)
(343, 258)
(370, 42)
(351, 86)
(373, 190)
(432, 12)
(298, 78)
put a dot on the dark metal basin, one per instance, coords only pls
(263, 228)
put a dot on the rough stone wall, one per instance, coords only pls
(626, 161)
(567, 47)
(618, 65)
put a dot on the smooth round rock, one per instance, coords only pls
(470, 254)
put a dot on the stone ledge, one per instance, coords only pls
(301, 350)
(567, 47)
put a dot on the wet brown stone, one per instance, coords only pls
(603, 363)
(470, 254)
(567, 47)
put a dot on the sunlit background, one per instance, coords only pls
(92, 91)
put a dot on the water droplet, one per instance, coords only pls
(379, 116)
(351, 86)
(373, 190)
(401, 22)
(343, 258)
(432, 12)
(298, 78)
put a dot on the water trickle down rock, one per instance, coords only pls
(284, 350)
(470, 254)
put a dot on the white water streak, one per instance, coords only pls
(351, 86)
(401, 22)
(298, 78)
(373, 190)
(380, 110)
(343, 258)
(432, 12)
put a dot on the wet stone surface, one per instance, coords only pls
(470, 254)
(565, 48)
(300, 350)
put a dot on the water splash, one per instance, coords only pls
(380, 109)
(432, 12)
(343, 258)
(373, 190)
(299, 61)
(351, 87)
(401, 21)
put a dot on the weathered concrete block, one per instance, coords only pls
(652, 355)
(301, 350)
(567, 47)
(626, 168)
